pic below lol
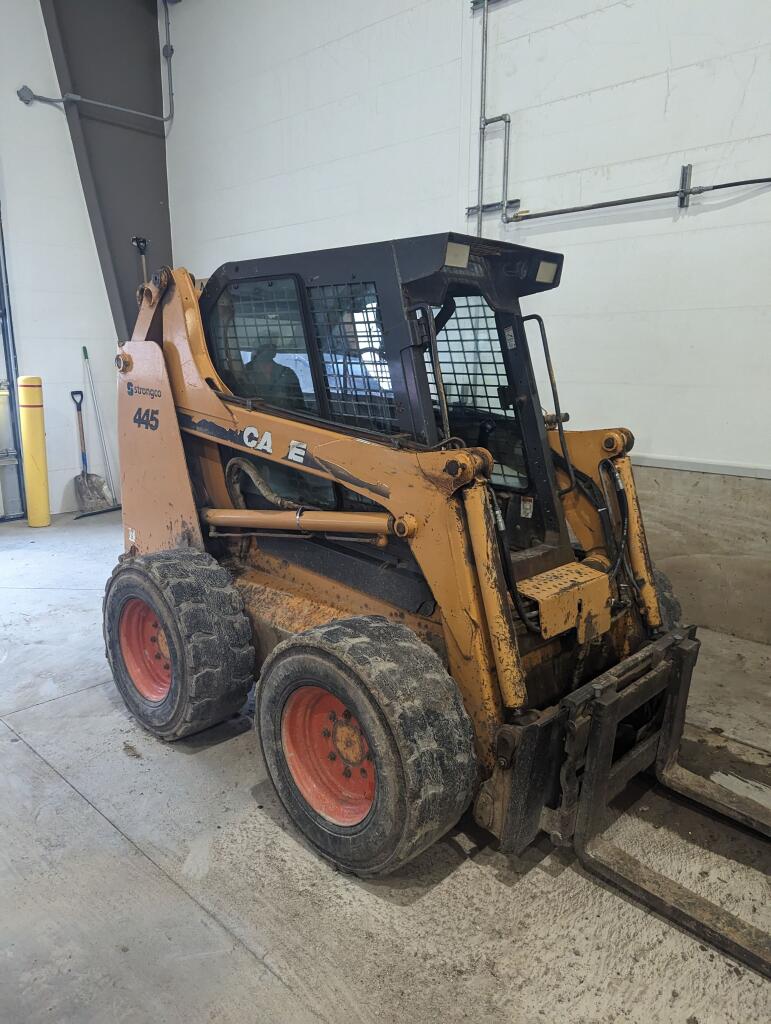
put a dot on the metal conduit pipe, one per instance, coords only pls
(682, 195)
(484, 121)
(504, 204)
(27, 96)
(679, 194)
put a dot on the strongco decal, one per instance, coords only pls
(144, 392)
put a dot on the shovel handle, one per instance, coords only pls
(77, 397)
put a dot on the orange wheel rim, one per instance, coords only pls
(328, 755)
(145, 650)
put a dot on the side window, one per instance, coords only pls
(258, 343)
(349, 331)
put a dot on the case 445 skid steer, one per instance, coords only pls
(338, 480)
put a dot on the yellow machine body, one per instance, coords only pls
(175, 494)
(444, 598)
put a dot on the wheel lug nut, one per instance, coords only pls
(332, 755)
(347, 772)
(363, 772)
(326, 733)
(157, 655)
(153, 639)
(346, 714)
(167, 666)
(369, 755)
(332, 716)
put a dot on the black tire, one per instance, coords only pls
(205, 630)
(671, 610)
(419, 736)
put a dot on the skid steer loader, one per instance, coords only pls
(338, 480)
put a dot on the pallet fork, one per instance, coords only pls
(586, 724)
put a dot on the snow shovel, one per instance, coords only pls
(100, 430)
(90, 490)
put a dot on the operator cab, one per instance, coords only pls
(417, 342)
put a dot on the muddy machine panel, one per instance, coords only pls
(159, 512)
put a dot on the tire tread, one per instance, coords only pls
(216, 635)
(424, 710)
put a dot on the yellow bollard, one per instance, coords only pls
(33, 450)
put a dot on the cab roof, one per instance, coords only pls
(428, 267)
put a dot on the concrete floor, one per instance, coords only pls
(141, 882)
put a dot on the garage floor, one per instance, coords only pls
(142, 882)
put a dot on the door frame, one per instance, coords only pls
(12, 371)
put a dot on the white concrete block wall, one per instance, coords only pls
(662, 318)
(58, 298)
(307, 125)
(314, 124)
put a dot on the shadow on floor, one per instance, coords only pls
(643, 798)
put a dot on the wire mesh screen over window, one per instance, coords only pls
(473, 371)
(346, 319)
(258, 343)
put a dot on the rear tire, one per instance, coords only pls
(178, 641)
(366, 741)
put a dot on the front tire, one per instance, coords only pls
(366, 741)
(178, 641)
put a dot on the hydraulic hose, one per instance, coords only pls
(595, 497)
(623, 506)
(593, 494)
(239, 465)
(508, 575)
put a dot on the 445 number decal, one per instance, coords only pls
(147, 418)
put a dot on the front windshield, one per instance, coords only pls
(473, 375)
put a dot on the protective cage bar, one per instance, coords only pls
(603, 779)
